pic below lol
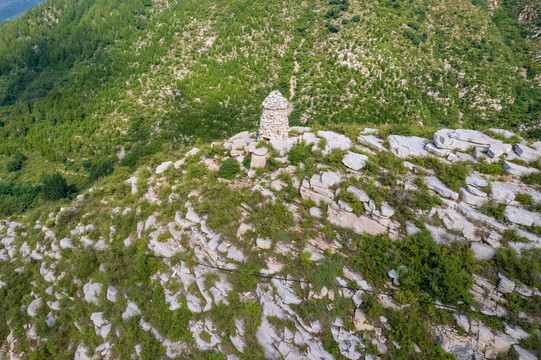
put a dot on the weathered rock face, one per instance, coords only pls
(274, 124)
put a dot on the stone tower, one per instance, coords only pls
(274, 124)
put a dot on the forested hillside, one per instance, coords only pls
(81, 82)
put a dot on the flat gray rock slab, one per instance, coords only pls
(372, 142)
(440, 188)
(518, 170)
(354, 161)
(335, 141)
(404, 146)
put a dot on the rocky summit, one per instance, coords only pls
(319, 245)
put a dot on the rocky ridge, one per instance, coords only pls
(166, 210)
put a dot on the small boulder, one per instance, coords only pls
(354, 161)
(163, 166)
(404, 146)
(517, 170)
(335, 141)
(505, 285)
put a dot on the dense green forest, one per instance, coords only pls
(83, 81)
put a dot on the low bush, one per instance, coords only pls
(299, 153)
(229, 169)
(494, 209)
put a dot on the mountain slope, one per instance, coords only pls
(322, 249)
(85, 80)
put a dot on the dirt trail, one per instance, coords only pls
(293, 79)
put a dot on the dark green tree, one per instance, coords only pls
(55, 186)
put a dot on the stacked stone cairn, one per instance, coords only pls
(274, 124)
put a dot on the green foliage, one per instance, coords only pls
(356, 18)
(494, 168)
(229, 169)
(441, 271)
(17, 163)
(247, 161)
(410, 35)
(524, 199)
(86, 263)
(525, 268)
(172, 324)
(453, 175)
(511, 235)
(17, 198)
(54, 186)
(333, 28)
(221, 205)
(299, 153)
(245, 279)
(532, 179)
(325, 273)
(493, 208)
(371, 256)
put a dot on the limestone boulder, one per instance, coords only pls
(163, 166)
(354, 161)
(360, 224)
(521, 216)
(526, 153)
(404, 146)
(360, 195)
(476, 181)
(372, 142)
(517, 170)
(462, 139)
(284, 146)
(482, 252)
(440, 188)
(335, 141)
(502, 192)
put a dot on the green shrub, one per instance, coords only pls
(324, 274)
(439, 270)
(356, 18)
(511, 235)
(495, 168)
(532, 179)
(246, 278)
(247, 161)
(524, 199)
(299, 153)
(453, 175)
(229, 169)
(526, 268)
(345, 21)
(493, 208)
(54, 187)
